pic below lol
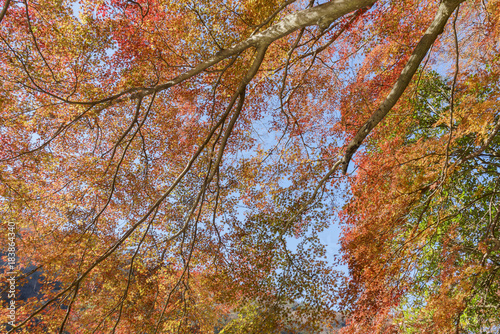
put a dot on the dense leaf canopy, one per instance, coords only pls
(169, 165)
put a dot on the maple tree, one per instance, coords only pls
(158, 158)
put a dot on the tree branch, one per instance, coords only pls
(323, 15)
(4, 10)
(446, 8)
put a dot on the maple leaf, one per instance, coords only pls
(164, 165)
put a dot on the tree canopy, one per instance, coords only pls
(158, 158)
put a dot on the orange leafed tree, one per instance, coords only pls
(159, 157)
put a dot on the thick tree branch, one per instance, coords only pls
(4, 10)
(322, 15)
(446, 8)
